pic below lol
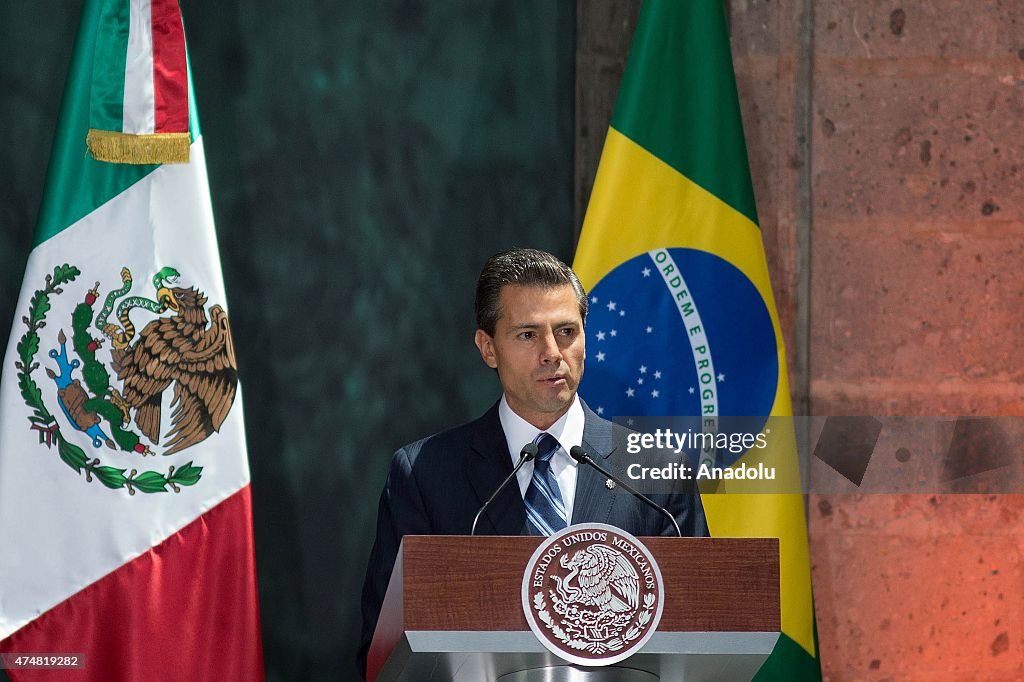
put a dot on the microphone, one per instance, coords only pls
(528, 452)
(581, 456)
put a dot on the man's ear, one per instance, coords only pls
(485, 344)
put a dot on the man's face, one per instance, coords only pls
(538, 349)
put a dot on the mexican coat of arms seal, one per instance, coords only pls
(592, 594)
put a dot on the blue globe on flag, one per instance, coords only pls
(680, 332)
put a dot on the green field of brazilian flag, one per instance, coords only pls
(683, 319)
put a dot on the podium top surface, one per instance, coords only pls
(458, 583)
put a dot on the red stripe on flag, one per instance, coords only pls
(184, 610)
(170, 72)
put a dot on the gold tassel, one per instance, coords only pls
(153, 148)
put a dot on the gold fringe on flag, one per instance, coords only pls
(114, 147)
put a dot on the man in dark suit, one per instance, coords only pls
(530, 310)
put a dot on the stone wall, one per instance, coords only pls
(886, 150)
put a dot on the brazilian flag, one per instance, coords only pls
(683, 321)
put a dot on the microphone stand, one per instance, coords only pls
(581, 456)
(528, 452)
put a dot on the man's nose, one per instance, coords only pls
(550, 351)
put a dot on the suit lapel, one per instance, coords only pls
(489, 464)
(594, 501)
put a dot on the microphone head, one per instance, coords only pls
(578, 454)
(529, 451)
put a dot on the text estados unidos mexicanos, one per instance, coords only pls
(555, 549)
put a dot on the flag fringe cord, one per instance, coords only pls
(114, 147)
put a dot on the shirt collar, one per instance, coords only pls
(568, 430)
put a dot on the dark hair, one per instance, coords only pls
(522, 267)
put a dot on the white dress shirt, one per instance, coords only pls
(568, 431)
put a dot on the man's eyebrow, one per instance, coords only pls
(524, 325)
(537, 325)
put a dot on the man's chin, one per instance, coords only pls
(548, 410)
(560, 404)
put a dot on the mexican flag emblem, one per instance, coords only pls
(183, 350)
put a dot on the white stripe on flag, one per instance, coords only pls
(706, 375)
(139, 107)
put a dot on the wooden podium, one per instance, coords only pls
(453, 612)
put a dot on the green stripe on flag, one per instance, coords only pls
(688, 118)
(76, 183)
(194, 130)
(106, 105)
(789, 661)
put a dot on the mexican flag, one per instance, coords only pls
(125, 510)
(683, 321)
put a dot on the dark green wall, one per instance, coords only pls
(364, 158)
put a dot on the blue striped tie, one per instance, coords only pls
(545, 512)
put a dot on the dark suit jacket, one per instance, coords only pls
(438, 484)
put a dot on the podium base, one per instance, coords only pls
(500, 655)
(566, 673)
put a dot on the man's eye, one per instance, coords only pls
(526, 336)
(567, 331)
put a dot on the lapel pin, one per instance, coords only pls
(609, 484)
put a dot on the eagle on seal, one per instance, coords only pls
(192, 352)
(605, 578)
